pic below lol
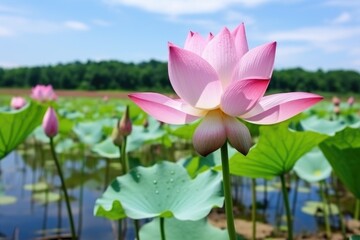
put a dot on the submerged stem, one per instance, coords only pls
(67, 201)
(287, 207)
(253, 210)
(326, 216)
(162, 228)
(227, 192)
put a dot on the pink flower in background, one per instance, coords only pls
(17, 102)
(50, 123)
(351, 101)
(43, 93)
(219, 79)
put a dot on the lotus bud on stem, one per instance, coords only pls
(50, 126)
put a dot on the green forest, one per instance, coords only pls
(152, 75)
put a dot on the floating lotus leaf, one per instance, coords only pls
(175, 229)
(40, 135)
(140, 136)
(15, 126)
(322, 125)
(317, 208)
(46, 197)
(343, 151)
(313, 166)
(64, 145)
(88, 132)
(268, 188)
(107, 149)
(7, 200)
(163, 190)
(39, 186)
(276, 152)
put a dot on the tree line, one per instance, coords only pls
(153, 75)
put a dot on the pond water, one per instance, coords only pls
(31, 216)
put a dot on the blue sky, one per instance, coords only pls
(310, 34)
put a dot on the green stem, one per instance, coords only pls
(162, 228)
(287, 207)
(137, 228)
(357, 209)
(227, 192)
(253, 212)
(67, 201)
(326, 216)
(124, 164)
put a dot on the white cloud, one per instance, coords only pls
(322, 34)
(343, 3)
(342, 18)
(181, 7)
(76, 25)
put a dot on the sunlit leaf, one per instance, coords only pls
(322, 125)
(107, 149)
(165, 190)
(276, 152)
(343, 151)
(39, 186)
(88, 132)
(313, 166)
(317, 208)
(175, 229)
(7, 200)
(15, 126)
(46, 197)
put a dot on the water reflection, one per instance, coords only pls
(30, 176)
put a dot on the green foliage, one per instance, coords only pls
(17, 125)
(343, 151)
(276, 152)
(175, 229)
(163, 190)
(153, 75)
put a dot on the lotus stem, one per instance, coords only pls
(162, 228)
(326, 216)
(227, 192)
(357, 209)
(253, 210)
(63, 186)
(123, 157)
(287, 207)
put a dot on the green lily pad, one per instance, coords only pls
(175, 229)
(40, 135)
(46, 197)
(7, 200)
(343, 151)
(88, 132)
(317, 208)
(322, 125)
(163, 190)
(17, 125)
(64, 145)
(268, 188)
(313, 166)
(107, 149)
(276, 152)
(39, 186)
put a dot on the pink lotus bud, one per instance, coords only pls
(50, 123)
(43, 93)
(125, 125)
(105, 98)
(116, 137)
(17, 102)
(336, 101)
(337, 110)
(351, 101)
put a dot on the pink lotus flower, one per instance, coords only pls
(43, 93)
(219, 79)
(50, 123)
(17, 102)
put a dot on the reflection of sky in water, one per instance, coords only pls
(29, 218)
